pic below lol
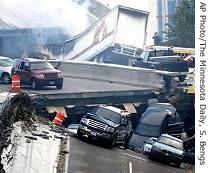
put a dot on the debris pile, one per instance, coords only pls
(14, 109)
(24, 129)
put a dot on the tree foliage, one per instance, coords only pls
(181, 30)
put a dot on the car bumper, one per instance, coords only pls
(49, 82)
(96, 135)
(146, 152)
(165, 157)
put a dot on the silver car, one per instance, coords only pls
(169, 149)
(5, 69)
(148, 145)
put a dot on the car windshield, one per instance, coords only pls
(41, 65)
(163, 53)
(171, 142)
(143, 54)
(151, 141)
(148, 130)
(6, 62)
(107, 114)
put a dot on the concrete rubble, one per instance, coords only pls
(29, 143)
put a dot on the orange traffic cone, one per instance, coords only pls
(15, 83)
(59, 118)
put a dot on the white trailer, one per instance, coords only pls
(116, 38)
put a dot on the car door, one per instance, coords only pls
(149, 62)
(19, 71)
(27, 73)
(124, 129)
(142, 60)
(22, 72)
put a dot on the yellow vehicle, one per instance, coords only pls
(180, 51)
(183, 52)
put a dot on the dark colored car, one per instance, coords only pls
(168, 149)
(158, 118)
(163, 60)
(37, 73)
(108, 124)
(189, 147)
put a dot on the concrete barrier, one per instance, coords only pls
(112, 73)
(55, 63)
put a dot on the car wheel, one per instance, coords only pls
(125, 142)
(59, 85)
(79, 134)
(6, 78)
(34, 84)
(150, 157)
(112, 142)
(178, 164)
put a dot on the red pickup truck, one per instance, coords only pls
(37, 73)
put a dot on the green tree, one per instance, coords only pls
(181, 29)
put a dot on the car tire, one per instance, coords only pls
(112, 142)
(79, 134)
(150, 157)
(178, 164)
(6, 79)
(59, 85)
(34, 85)
(125, 142)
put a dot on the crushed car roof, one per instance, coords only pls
(171, 137)
(154, 116)
(117, 110)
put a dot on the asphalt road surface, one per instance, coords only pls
(87, 156)
(72, 85)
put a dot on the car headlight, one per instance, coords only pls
(60, 74)
(147, 147)
(178, 155)
(155, 148)
(109, 129)
(41, 76)
(84, 120)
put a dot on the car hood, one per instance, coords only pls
(46, 71)
(7, 69)
(137, 141)
(102, 120)
(168, 148)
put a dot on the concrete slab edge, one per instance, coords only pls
(67, 155)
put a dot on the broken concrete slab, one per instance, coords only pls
(26, 142)
(38, 155)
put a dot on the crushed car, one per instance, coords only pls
(148, 145)
(158, 118)
(168, 149)
(108, 124)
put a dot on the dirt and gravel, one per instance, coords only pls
(21, 107)
(16, 108)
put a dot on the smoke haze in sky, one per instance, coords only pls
(45, 13)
